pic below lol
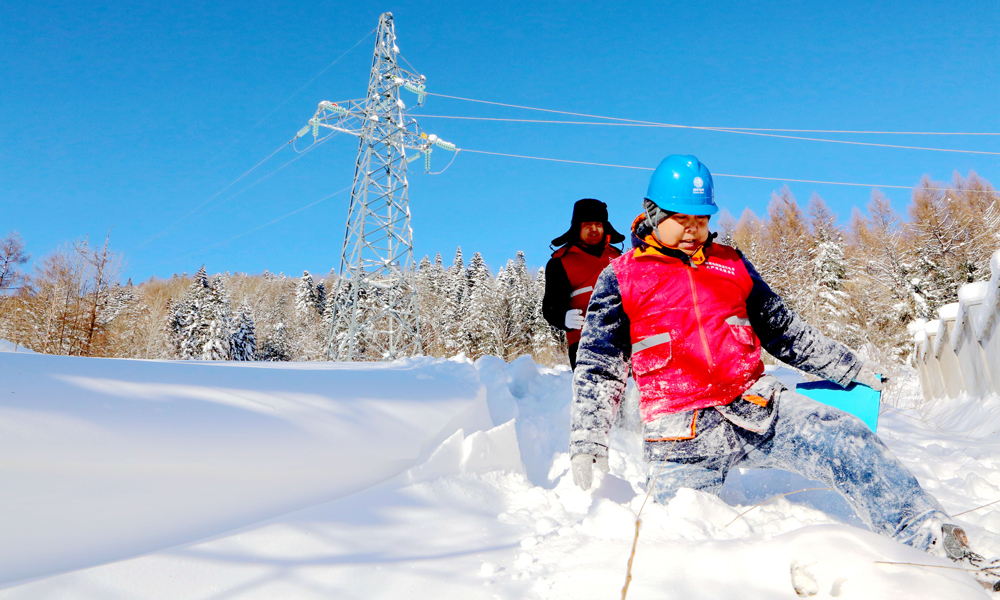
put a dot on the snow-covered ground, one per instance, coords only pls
(144, 479)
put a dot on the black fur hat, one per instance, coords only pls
(588, 210)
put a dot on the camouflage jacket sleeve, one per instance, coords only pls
(793, 341)
(602, 366)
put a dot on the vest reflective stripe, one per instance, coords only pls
(653, 340)
(582, 270)
(712, 354)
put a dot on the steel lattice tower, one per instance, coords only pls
(374, 310)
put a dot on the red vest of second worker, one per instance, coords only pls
(582, 270)
(692, 343)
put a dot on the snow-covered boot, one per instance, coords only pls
(955, 545)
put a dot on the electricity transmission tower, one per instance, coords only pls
(374, 308)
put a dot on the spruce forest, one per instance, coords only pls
(862, 284)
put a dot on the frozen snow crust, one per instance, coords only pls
(421, 479)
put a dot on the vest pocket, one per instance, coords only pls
(672, 427)
(652, 353)
(741, 330)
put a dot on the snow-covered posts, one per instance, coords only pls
(919, 344)
(951, 372)
(988, 325)
(965, 343)
(935, 383)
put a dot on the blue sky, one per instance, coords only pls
(128, 117)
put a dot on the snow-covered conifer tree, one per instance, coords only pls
(548, 344)
(455, 293)
(305, 296)
(277, 346)
(320, 297)
(243, 344)
(475, 331)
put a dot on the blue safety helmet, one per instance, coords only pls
(681, 184)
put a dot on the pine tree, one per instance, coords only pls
(826, 300)
(185, 328)
(455, 296)
(320, 298)
(306, 300)
(548, 344)
(200, 324)
(218, 315)
(502, 315)
(243, 344)
(476, 334)
(277, 346)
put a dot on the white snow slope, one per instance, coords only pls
(421, 478)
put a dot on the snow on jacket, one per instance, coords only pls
(692, 344)
(606, 347)
(570, 276)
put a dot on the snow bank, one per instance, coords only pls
(491, 512)
(107, 459)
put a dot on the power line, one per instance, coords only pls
(631, 123)
(272, 222)
(325, 69)
(300, 155)
(295, 93)
(561, 160)
(259, 227)
(214, 196)
(597, 164)
(562, 112)
(162, 232)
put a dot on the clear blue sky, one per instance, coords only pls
(131, 115)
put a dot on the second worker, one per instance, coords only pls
(581, 255)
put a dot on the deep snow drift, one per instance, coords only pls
(422, 478)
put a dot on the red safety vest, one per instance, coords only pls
(692, 343)
(582, 270)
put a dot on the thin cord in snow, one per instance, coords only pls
(898, 439)
(638, 519)
(575, 114)
(775, 498)
(977, 508)
(889, 562)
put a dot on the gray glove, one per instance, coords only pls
(575, 319)
(583, 468)
(870, 375)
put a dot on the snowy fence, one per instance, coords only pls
(960, 351)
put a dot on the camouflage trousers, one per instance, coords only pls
(772, 427)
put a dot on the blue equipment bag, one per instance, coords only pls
(857, 399)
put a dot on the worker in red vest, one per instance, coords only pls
(583, 252)
(691, 317)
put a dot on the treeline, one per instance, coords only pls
(865, 283)
(862, 284)
(72, 304)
